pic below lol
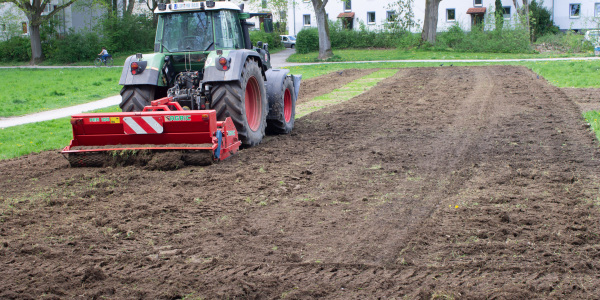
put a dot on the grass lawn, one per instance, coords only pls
(119, 61)
(25, 91)
(399, 54)
(36, 137)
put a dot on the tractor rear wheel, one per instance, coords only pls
(285, 123)
(136, 97)
(245, 101)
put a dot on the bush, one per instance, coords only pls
(273, 39)
(564, 42)
(508, 40)
(129, 33)
(541, 20)
(74, 47)
(15, 49)
(307, 41)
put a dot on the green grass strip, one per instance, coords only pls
(401, 54)
(36, 137)
(593, 118)
(26, 91)
(344, 93)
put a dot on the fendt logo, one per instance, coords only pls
(179, 118)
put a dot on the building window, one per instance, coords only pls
(478, 3)
(450, 15)
(574, 10)
(506, 13)
(370, 17)
(597, 12)
(347, 5)
(307, 20)
(390, 16)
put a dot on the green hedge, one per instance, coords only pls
(73, 47)
(508, 40)
(15, 49)
(273, 39)
(308, 39)
(127, 34)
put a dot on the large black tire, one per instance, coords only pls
(285, 123)
(245, 101)
(136, 97)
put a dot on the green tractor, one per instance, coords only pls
(204, 60)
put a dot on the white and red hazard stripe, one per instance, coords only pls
(142, 125)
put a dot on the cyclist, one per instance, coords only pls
(104, 54)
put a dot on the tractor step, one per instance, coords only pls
(161, 126)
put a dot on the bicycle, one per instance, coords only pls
(107, 62)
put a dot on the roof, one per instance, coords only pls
(346, 15)
(476, 10)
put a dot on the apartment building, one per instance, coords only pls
(375, 14)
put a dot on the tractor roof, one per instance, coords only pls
(195, 6)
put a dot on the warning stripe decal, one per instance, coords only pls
(142, 125)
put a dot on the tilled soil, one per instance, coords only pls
(463, 182)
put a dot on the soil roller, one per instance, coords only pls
(164, 125)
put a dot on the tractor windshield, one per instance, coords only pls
(185, 32)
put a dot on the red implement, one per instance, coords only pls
(163, 125)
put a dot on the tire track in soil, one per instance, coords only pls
(352, 205)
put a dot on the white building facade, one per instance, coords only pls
(374, 14)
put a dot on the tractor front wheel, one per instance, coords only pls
(136, 97)
(245, 101)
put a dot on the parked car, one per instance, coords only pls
(289, 41)
(593, 36)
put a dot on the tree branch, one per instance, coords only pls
(58, 8)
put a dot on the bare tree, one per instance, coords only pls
(33, 10)
(430, 22)
(323, 28)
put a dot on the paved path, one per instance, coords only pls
(59, 113)
(277, 61)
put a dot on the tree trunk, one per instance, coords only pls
(323, 28)
(130, 6)
(430, 22)
(36, 43)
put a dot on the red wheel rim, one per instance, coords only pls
(287, 105)
(253, 104)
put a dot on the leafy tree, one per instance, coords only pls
(541, 20)
(403, 19)
(499, 15)
(33, 10)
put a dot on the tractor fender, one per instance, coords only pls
(236, 58)
(275, 80)
(149, 76)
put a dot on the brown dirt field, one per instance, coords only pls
(453, 182)
(587, 99)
